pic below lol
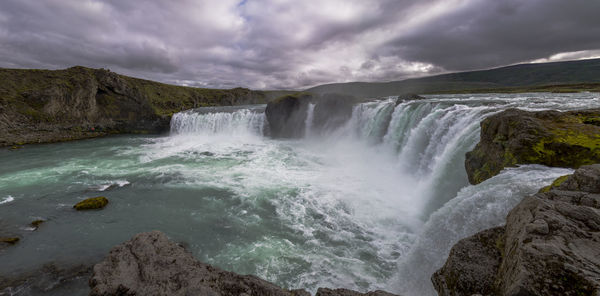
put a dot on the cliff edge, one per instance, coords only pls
(39, 106)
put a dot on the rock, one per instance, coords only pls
(36, 224)
(287, 115)
(346, 292)
(471, 266)
(9, 240)
(91, 203)
(409, 97)
(559, 139)
(150, 264)
(550, 245)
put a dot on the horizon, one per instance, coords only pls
(282, 45)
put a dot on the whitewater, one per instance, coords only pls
(375, 203)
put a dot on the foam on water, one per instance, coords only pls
(7, 199)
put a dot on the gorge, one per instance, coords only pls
(372, 197)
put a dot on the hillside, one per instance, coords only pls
(517, 78)
(39, 106)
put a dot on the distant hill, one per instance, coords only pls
(518, 77)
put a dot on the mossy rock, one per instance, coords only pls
(554, 184)
(35, 224)
(91, 203)
(512, 137)
(9, 240)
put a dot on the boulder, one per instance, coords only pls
(151, 264)
(550, 245)
(91, 203)
(472, 265)
(559, 139)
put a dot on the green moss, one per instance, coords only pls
(555, 183)
(91, 203)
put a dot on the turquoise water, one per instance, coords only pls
(366, 206)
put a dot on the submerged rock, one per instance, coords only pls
(36, 224)
(9, 240)
(91, 203)
(151, 264)
(559, 139)
(550, 245)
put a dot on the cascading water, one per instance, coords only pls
(375, 203)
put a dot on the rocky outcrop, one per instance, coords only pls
(39, 106)
(549, 246)
(150, 264)
(92, 203)
(287, 115)
(472, 265)
(552, 138)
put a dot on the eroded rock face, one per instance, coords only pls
(150, 264)
(552, 138)
(472, 265)
(287, 115)
(550, 245)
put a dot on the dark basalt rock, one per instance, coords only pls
(472, 265)
(9, 240)
(552, 138)
(287, 115)
(150, 264)
(550, 245)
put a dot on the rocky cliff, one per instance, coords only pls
(39, 106)
(151, 264)
(549, 246)
(552, 138)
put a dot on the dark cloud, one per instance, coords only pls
(495, 33)
(292, 44)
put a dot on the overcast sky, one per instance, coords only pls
(295, 44)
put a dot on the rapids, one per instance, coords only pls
(374, 204)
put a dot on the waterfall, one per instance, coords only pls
(310, 114)
(388, 178)
(218, 121)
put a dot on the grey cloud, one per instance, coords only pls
(273, 44)
(495, 33)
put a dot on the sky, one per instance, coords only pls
(292, 44)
